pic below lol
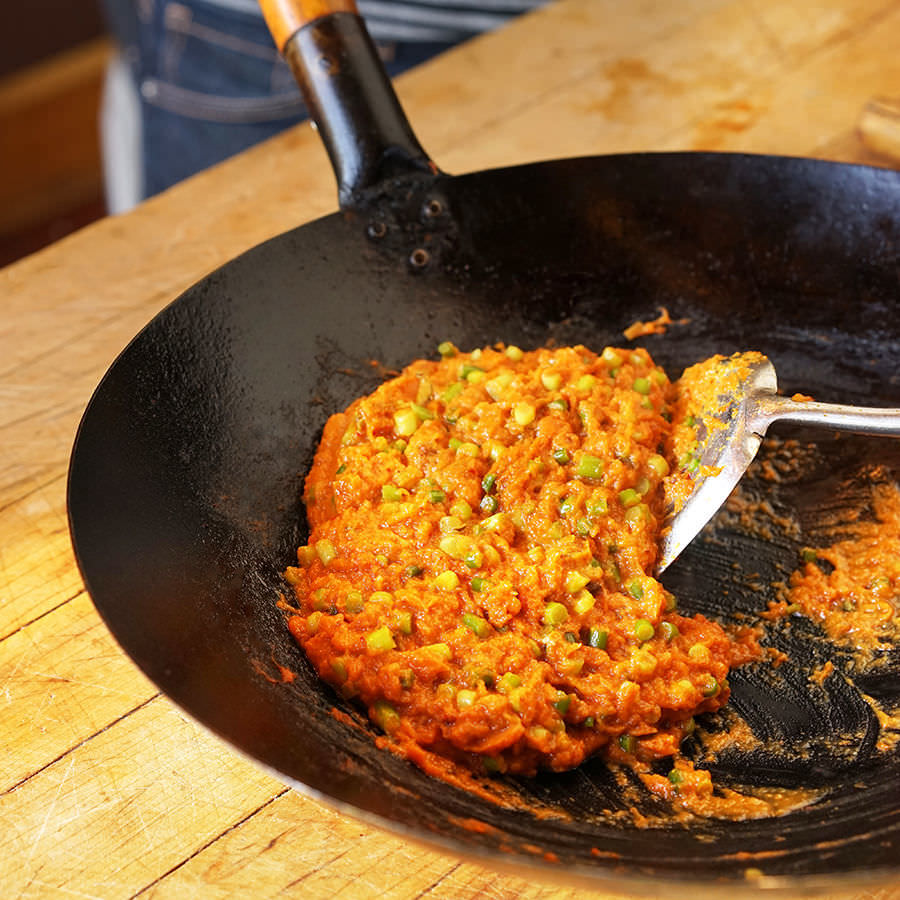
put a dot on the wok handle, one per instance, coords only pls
(348, 95)
(286, 17)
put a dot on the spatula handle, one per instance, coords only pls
(286, 17)
(857, 419)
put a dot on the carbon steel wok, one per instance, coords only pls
(185, 479)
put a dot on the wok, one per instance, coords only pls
(186, 475)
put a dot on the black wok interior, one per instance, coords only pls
(186, 476)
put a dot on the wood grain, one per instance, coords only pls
(106, 789)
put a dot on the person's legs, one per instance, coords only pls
(211, 84)
(200, 80)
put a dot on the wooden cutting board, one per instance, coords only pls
(106, 789)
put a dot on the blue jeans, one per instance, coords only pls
(210, 82)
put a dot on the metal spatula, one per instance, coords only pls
(730, 435)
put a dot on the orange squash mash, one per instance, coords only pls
(479, 572)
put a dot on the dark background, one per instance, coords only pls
(53, 55)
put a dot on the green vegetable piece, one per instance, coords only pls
(469, 372)
(807, 554)
(637, 514)
(489, 505)
(658, 464)
(558, 403)
(422, 412)
(562, 704)
(386, 717)
(588, 722)
(407, 678)
(643, 630)
(391, 493)
(627, 742)
(436, 496)
(507, 682)
(325, 551)
(305, 556)
(629, 497)
(488, 482)
(452, 392)
(575, 581)
(450, 523)
(465, 698)
(403, 621)
(597, 638)
(641, 385)
(455, 546)
(447, 580)
(474, 559)
(380, 640)
(636, 589)
(406, 422)
(710, 686)
(446, 349)
(354, 602)
(676, 777)
(669, 631)
(339, 670)
(551, 380)
(611, 357)
(561, 455)
(477, 625)
(478, 584)
(414, 571)
(555, 614)
(589, 467)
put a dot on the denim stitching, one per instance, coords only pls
(174, 14)
(210, 108)
(227, 41)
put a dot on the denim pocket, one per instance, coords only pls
(204, 61)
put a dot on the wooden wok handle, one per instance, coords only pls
(348, 95)
(286, 17)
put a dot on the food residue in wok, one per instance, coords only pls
(659, 325)
(850, 588)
